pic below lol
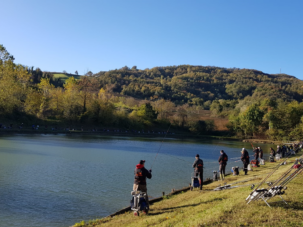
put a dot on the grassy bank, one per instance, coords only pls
(221, 208)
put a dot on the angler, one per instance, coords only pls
(222, 161)
(245, 159)
(140, 179)
(260, 153)
(272, 155)
(279, 150)
(198, 165)
(257, 152)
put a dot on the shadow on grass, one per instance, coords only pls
(292, 205)
(168, 210)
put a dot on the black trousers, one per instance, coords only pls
(200, 175)
(222, 169)
(245, 164)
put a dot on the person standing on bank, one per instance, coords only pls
(260, 153)
(256, 151)
(198, 165)
(279, 150)
(245, 159)
(222, 161)
(140, 178)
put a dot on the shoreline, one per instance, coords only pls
(158, 199)
(119, 134)
(142, 135)
(267, 141)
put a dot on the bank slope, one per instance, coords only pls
(221, 208)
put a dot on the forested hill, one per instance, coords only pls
(255, 103)
(200, 85)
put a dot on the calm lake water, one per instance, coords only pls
(58, 180)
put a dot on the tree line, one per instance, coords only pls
(256, 103)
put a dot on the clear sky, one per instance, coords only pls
(102, 35)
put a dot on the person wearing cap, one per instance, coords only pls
(223, 162)
(140, 178)
(245, 159)
(198, 165)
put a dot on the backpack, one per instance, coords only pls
(225, 157)
(138, 202)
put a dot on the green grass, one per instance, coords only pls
(64, 76)
(221, 208)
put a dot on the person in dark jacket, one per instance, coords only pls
(245, 159)
(222, 161)
(272, 155)
(140, 178)
(260, 153)
(279, 150)
(256, 155)
(283, 151)
(198, 165)
(272, 152)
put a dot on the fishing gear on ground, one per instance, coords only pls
(277, 187)
(271, 173)
(229, 186)
(139, 202)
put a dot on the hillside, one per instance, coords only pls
(195, 85)
(64, 76)
(199, 85)
(220, 208)
(195, 99)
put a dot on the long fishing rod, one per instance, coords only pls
(259, 195)
(178, 158)
(160, 146)
(282, 177)
(275, 188)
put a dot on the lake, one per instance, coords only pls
(58, 180)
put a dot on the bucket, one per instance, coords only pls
(215, 176)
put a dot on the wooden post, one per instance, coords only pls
(163, 193)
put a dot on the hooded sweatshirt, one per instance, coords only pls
(140, 175)
(223, 159)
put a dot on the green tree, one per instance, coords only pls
(251, 119)
(146, 114)
(4, 55)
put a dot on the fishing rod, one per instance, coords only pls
(271, 173)
(286, 173)
(160, 146)
(275, 188)
(256, 194)
(178, 158)
(291, 176)
(240, 157)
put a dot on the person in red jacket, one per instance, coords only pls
(140, 178)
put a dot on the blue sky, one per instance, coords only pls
(101, 35)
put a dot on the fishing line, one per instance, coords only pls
(160, 146)
(178, 158)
